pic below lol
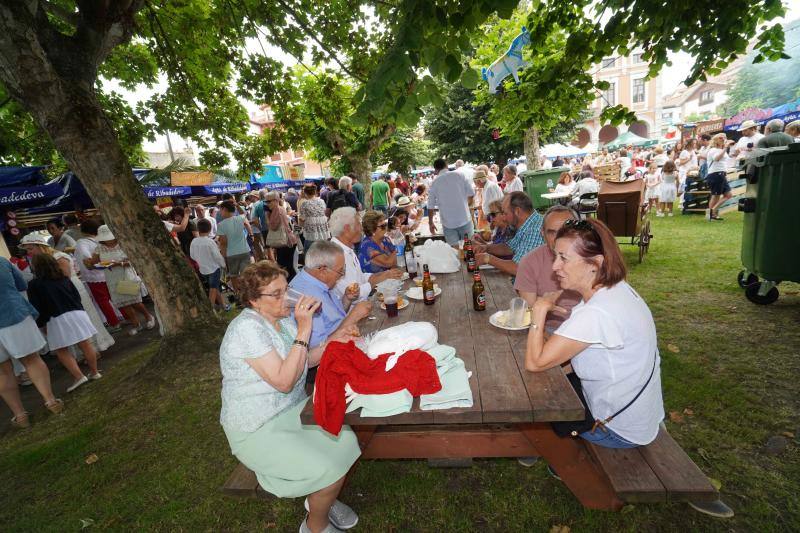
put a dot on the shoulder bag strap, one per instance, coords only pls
(602, 423)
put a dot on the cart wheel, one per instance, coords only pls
(642, 251)
(746, 282)
(752, 294)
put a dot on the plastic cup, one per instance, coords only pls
(518, 308)
(391, 305)
(292, 297)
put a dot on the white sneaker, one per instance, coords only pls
(133, 331)
(305, 529)
(95, 377)
(77, 384)
(669, 214)
(151, 323)
(341, 515)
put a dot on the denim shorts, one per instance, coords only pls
(718, 183)
(212, 280)
(607, 439)
(453, 235)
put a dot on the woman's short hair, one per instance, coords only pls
(420, 189)
(255, 277)
(310, 190)
(593, 238)
(89, 226)
(669, 166)
(57, 222)
(45, 266)
(370, 222)
(496, 207)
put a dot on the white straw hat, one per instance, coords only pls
(34, 238)
(104, 234)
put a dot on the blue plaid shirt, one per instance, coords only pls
(528, 237)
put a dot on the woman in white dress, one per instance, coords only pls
(61, 313)
(117, 268)
(36, 244)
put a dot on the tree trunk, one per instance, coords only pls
(531, 144)
(362, 169)
(68, 111)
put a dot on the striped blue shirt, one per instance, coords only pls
(528, 237)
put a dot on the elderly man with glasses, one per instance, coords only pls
(324, 267)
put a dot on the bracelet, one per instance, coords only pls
(304, 344)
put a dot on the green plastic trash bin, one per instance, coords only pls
(771, 234)
(539, 182)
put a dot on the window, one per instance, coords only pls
(609, 62)
(299, 153)
(638, 91)
(609, 95)
(706, 97)
(637, 58)
(275, 157)
(666, 116)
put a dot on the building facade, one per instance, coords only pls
(628, 86)
(294, 161)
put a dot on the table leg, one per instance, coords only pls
(570, 459)
(364, 435)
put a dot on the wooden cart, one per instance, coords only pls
(622, 207)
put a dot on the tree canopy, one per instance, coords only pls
(767, 83)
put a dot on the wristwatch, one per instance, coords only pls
(298, 342)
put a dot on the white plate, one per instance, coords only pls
(404, 276)
(416, 292)
(493, 320)
(486, 267)
(100, 266)
(418, 281)
(401, 306)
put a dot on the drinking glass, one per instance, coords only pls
(518, 308)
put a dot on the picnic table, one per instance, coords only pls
(512, 407)
(511, 414)
(555, 197)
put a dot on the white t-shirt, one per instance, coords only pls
(716, 166)
(491, 193)
(619, 327)
(660, 159)
(742, 143)
(547, 164)
(449, 194)
(691, 162)
(84, 249)
(624, 165)
(352, 273)
(206, 252)
(513, 186)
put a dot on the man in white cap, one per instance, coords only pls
(748, 141)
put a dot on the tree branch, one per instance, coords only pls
(304, 24)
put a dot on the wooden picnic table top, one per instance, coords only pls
(503, 391)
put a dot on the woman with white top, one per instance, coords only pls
(566, 185)
(716, 178)
(609, 339)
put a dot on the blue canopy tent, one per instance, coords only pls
(21, 176)
(22, 187)
(160, 192)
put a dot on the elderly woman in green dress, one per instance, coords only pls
(264, 358)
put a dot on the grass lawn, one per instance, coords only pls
(729, 372)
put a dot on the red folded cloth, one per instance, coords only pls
(346, 363)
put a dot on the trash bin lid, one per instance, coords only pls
(772, 156)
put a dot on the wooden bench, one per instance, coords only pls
(243, 483)
(656, 473)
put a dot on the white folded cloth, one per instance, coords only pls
(455, 387)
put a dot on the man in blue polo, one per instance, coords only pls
(324, 267)
(518, 210)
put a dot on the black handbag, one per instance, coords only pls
(573, 428)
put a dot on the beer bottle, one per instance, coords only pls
(428, 296)
(467, 249)
(478, 294)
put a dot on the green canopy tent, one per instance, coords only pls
(629, 139)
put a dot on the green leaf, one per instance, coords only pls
(470, 78)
